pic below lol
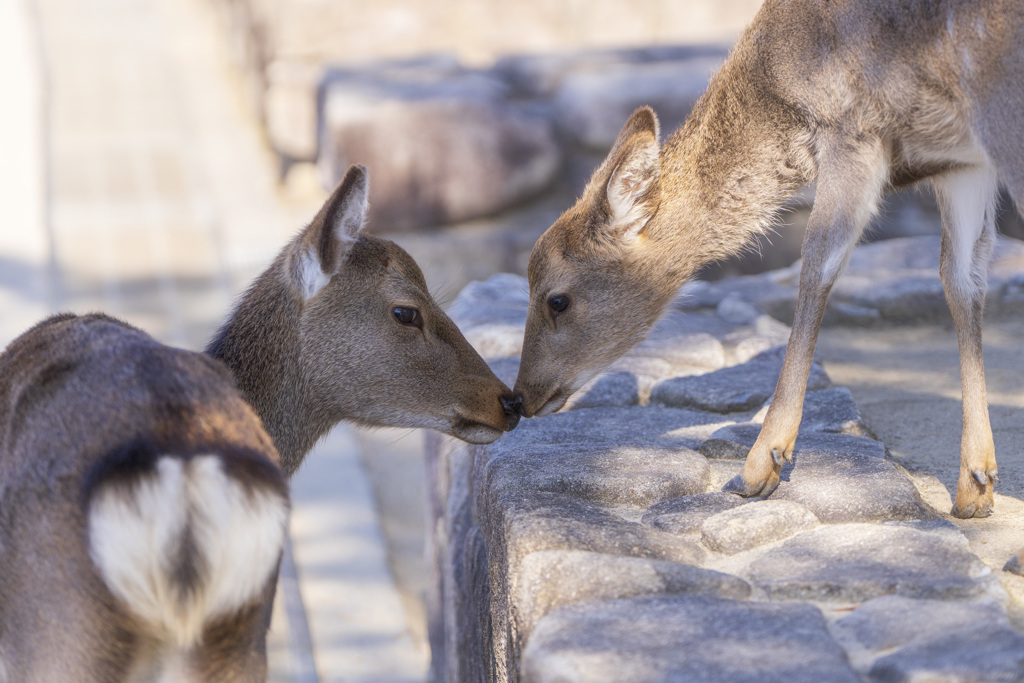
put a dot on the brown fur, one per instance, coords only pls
(857, 95)
(86, 402)
(315, 341)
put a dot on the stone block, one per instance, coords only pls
(443, 147)
(698, 639)
(631, 426)
(540, 75)
(840, 478)
(686, 514)
(978, 653)
(828, 410)
(536, 521)
(614, 389)
(732, 389)
(552, 579)
(893, 621)
(759, 523)
(843, 479)
(852, 563)
(592, 105)
(613, 474)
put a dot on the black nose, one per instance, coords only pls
(513, 407)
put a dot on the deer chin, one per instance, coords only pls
(473, 431)
(553, 404)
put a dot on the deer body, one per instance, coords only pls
(858, 96)
(142, 511)
(341, 327)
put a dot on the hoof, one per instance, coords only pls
(1014, 566)
(971, 511)
(761, 489)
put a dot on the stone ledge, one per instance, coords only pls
(594, 544)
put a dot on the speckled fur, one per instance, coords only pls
(89, 402)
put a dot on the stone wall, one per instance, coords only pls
(284, 46)
(595, 545)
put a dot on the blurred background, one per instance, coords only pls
(156, 154)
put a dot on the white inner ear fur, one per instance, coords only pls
(312, 278)
(633, 178)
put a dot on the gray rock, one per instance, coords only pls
(586, 428)
(828, 410)
(857, 562)
(616, 475)
(500, 292)
(506, 368)
(893, 621)
(535, 521)
(892, 280)
(540, 75)
(748, 345)
(751, 288)
(492, 314)
(982, 653)
(679, 347)
(843, 479)
(840, 478)
(732, 389)
(734, 309)
(687, 514)
(756, 524)
(695, 639)
(737, 438)
(552, 579)
(592, 105)
(615, 389)
(442, 147)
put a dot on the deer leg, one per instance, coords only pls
(967, 203)
(851, 174)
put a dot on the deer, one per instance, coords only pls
(855, 96)
(142, 511)
(341, 326)
(143, 489)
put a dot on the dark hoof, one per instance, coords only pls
(760, 490)
(1014, 566)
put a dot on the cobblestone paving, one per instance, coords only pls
(595, 544)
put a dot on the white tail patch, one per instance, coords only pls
(185, 544)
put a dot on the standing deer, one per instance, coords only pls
(341, 327)
(855, 95)
(142, 512)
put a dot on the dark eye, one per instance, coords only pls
(559, 302)
(408, 316)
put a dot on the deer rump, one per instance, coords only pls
(144, 511)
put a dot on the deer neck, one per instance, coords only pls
(261, 344)
(727, 172)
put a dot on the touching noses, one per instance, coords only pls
(513, 407)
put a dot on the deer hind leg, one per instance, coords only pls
(967, 203)
(851, 175)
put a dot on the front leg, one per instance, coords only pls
(850, 179)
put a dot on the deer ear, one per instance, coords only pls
(328, 239)
(631, 173)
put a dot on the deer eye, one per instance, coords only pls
(559, 303)
(408, 316)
